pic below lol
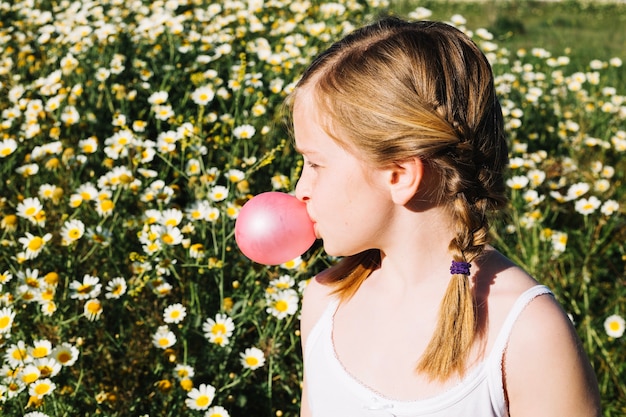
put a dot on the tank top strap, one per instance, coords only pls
(323, 324)
(494, 362)
(518, 307)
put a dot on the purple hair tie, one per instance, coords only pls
(460, 268)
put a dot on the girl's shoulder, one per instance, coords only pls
(500, 279)
(544, 362)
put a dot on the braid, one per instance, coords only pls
(458, 312)
(474, 191)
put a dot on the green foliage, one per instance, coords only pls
(584, 29)
(130, 137)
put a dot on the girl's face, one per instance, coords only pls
(347, 200)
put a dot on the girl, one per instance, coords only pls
(404, 151)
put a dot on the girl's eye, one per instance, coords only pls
(310, 164)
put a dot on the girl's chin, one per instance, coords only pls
(335, 251)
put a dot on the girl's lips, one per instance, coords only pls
(315, 231)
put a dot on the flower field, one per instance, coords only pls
(131, 134)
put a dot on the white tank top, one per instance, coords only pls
(333, 392)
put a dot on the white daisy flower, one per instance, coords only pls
(235, 175)
(171, 217)
(536, 177)
(29, 209)
(216, 411)
(48, 191)
(280, 182)
(174, 313)
(222, 325)
(36, 414)
(89, 145)
(218, 193)
(586, 206)
(163, 338)
(17, 354)
(5, 277)
(116, 288)
(283, 303)
(193, 167)
(89, 288)
(199, 210)
(577, 190)
(200, 398)
(283, 282)
(7, 147)
(182, 371)
(244, 132)
(66, 354)
(48, 367)
(232, 210)
(158, 97)
(33, 245)
(7, 315)
(92, 309)
(203, 95)
(105, 207)
(614, 326)
(609, 207)
(41, 349)
(292, 264)
(41, 387)
(171, 235)
(71, 231)
(252, 358)
(163, 112)
(29, 374)
(518, 182)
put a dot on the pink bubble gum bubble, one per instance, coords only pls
(273, 228)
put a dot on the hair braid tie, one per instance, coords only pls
(462, 268)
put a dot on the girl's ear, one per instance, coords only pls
(405, 179)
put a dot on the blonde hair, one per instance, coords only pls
(394, 90)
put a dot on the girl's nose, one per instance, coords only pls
(302, 190)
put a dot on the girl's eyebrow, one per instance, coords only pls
(303, 151)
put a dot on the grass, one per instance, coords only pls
(582, 30)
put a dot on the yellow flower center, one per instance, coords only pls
(35, 244)
(84, 289)
(186, 384)
(203, 401)
(42, 389)
(107, 205)
(40, 352)
(64, 357)
(281, 305)
(30, 378)
(94, 307)
(218, 328)
(19, 354)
